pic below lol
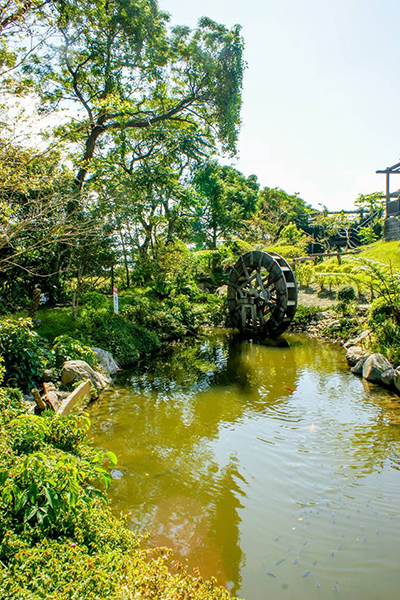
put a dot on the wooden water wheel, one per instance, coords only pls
(262, 294)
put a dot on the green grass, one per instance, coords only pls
(55, 322)
(384, 252)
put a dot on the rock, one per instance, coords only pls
(387, 377)
(374, 366)
(354, 354)
(358, 367)
(334, 324)
(355, 341)
(106, 361)
(48, 375)
(222, 291)
(363, 309)
(77, 370)
(396, 379)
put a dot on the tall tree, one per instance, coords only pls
(125, 71)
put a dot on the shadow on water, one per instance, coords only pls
(224, 443)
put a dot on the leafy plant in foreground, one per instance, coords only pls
(24, 354)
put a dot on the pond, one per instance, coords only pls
(273, 469)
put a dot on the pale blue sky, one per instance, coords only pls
(321, 92)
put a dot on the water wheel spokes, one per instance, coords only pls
(262, 293)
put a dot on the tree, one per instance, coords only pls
(126, 73)
(40, 242)
(226, 197)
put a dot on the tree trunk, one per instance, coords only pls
(128, 282)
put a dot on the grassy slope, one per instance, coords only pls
(384, 252)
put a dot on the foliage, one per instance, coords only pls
(44, 485)
(68, 348)
(290, 234)
(276, 209)
(304, 273)
(225, 199)
(287, 251)
(135, 81)
(175, 317)
(346, 293)
(95, 300)
(384, 318)
(58, 537)
(304, 316)
(367, 235)
(345, 307)
(23, 352)
(126, 341)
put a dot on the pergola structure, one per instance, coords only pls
(392, 198)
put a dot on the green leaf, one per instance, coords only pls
(112, 457)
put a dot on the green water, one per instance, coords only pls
(273, 469)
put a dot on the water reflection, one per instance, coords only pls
(271, 468)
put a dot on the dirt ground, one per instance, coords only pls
(311, 296)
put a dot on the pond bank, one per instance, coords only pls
(353, 333)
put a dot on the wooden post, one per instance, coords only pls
(387, 191)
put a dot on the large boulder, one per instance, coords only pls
(358, 367)
(106, 361)
(78, 370)
(374, 366)
(354, 354)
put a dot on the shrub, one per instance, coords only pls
(67, 348)
(23, 352)
(380, 311)
(346, 293)
(304, 273)
(28, 433)
(95, 300)
(305, 315)
(126, 341)
(346, 308)
(290, 234)
(55, 321)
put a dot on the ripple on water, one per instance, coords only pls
(274, 469)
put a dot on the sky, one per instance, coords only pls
(321, 92)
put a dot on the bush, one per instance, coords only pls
(346, 293)
(346, 308)
(290, 234)
(53, 322)
(95, 300)
(67, 348)
(304, 273)
(23, 353)
(380, 311)
(304, 316)
(126, 341)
